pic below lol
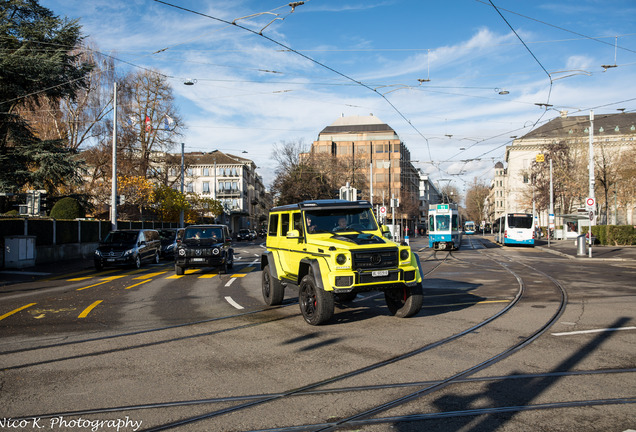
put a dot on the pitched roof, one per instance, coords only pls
(356, 124)
(200, 158)
(607, 124)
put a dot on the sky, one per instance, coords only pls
(456, 80)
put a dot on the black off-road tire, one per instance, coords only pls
(316, 304)
(405, 301)
(273, 290)
(179, 270)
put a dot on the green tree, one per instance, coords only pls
(37, 63)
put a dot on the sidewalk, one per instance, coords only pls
(44, 271)
(568, 249)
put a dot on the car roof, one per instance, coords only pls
(207, 226)
(323, 204)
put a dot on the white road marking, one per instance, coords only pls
(233, 303)
(230, 282)
(592, 331)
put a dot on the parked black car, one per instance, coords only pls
(128, 247)
(204, 246)
(169, 238)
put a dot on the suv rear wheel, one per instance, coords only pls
(178, 270)
(273, 290)
(316, 304)
(404, 302)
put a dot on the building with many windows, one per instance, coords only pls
(230, 179)
(372, 150)
(614, 143)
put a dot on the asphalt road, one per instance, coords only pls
(509, 339)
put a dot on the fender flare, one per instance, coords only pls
(315, 269)
(267, 258)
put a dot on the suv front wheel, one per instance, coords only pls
(273, 290)
(316, 304)
(404, 302)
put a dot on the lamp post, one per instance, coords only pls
(181, 221)
(113, 191)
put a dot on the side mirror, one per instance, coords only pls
(293, 234)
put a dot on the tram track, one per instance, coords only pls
(364, 417)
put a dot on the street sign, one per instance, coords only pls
(382, 211)
(540, 158)
(591, 215)
(589, 203)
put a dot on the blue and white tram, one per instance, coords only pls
(469, 227)
(444, 227)
(514, 229)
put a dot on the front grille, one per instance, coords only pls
(365, 278)
(112, 254)
(375, 259)
(200, 253)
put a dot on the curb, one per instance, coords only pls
(585, 257)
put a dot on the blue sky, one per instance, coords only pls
(431, 70)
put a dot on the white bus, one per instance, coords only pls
(514, 229)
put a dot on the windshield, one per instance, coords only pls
(121, 237)
(520, 221)
(203, 233)
(335, 220)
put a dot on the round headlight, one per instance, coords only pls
(341, 259)
(404, 254)
(182, 252)
(215, 251)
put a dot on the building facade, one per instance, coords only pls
(614, 143)
(372, 149)
(230, 179)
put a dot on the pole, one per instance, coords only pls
(181, 215)
(591, 171)
(551, 215)
(371, 182)
(113, 191)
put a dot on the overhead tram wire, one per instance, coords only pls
(274, 41)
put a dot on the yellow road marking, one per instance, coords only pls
(110, 278)
(151, 275)
(86, 311)
(207, 276)
(79, 279)
(174, 276)
(16, 311)
(247, 269)
(134, 272)
(192, 271)
(239, 275)
(90, 286)
(468, 303)
(140, 283)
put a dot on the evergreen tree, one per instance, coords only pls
(37, 64)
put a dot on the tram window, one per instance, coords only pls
(455, 223)
(443, 222)
(431, 223)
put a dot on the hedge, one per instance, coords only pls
(613, 235)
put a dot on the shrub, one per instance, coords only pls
(67, 208)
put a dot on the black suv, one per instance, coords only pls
(204, 246)
(128, 247)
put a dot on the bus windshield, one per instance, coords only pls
(519, 221)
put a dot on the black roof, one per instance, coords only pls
(604, 124)
(322, 204)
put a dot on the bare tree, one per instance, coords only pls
(475, 199)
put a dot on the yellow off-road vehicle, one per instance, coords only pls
(335, 249)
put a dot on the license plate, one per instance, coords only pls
(379, 273)
(110, 260)
(197, 259)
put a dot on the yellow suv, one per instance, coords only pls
(335, 248)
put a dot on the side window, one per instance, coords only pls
(298, 222)
(431, 223)
(272, 229)
(284, 224)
